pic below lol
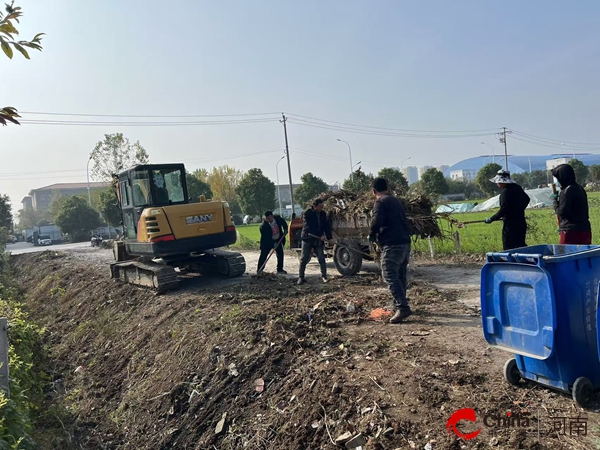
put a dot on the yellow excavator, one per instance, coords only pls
(165, 233)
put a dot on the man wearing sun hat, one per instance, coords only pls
(513, 201)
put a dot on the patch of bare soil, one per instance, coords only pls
(266, 364)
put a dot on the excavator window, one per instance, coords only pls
(141, 188)
(168, 188)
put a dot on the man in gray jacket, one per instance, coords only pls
(390, 228)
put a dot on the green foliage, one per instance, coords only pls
(77, 218)
(114, 154)
(594, 173)
(581, 170)
(6, 217)
(256, 193)
(484, 176)
(8, 31)
(310, 188)
(531, 180)
(31, 218)
(108, 207)
(394, 177)
(358, 182)
(197, 187)
(223, 181)
(433, 183)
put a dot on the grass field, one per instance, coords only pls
(475, 238)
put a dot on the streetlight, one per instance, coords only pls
(278, 191)
(493, 151)
(355, 166)
(88, 181)
(402, 165)
(349, 154)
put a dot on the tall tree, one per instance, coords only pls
(114, 154)
(358, 182)
(108, 207)
(6, 217)
(201, 174)
(594, 174)
(7, 42)
(484, 176)
(256, 193)
(395, 177)
(197, 187)
(310, 188)
(77, 219)
(223, 181)
(31, 218)
(434, 183)
(581, 170)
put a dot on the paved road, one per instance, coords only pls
(23, 247)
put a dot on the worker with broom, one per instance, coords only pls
(389, 227)
(513, 202)
(272, 239)
(315, 231)
(571, 208)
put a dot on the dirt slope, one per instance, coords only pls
(160, 372)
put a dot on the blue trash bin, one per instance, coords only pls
(540, 303)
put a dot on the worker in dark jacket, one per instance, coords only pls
(572, 208)
(390, 228)
(272, 236)
(315, 231)
(513, 201)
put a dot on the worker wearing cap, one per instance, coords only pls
(513, 201)
(571, 208)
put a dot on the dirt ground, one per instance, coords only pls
(260, 363)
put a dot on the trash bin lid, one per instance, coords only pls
(518, 309)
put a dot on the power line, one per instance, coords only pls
(147, 116)
(142, 124)
(531, 136)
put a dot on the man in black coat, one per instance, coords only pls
(315, 231)
(272, 236)
(572, 208)
(513, 201)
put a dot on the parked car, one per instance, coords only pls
(44, 240)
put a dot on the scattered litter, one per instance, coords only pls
(420, 333)
(314, 308)
(428, 446)
(379, 314)
(341, 347)
(315, 424)
(343, 438)
(80, 369)
(454, 361)
(494, 441)
(259, 385)
(221, 425)
(350, 308)
(233, 370)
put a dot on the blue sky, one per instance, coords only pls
(429, 65)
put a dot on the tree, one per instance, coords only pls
(223, 181)
(201, 174)
(7, 42)
(197, 187)
(114, 154)
(484, 176)
(358, 182)
(521, 179)
(537, 178)
(310, 188)
(594, 174)
(581, 170)
(6, 217)
(434, 183)
(77, 218)
(256, 193)
(108, 207)
(31, 218)
(394, 177)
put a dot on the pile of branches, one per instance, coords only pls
(349, 206)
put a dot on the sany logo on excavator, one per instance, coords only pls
(191, 220)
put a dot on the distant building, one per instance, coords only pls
(463, 175)
(552, 163)
(411, 173)
(424, 169)
(40, 199)
(443, 168)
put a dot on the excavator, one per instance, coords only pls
(165, 233)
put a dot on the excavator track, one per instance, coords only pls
(158, 277)
(230, 264)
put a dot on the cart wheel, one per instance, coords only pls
(582, 391)
(347, 257)
(511, 372)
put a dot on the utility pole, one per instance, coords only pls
(502, 138)
(287, 153)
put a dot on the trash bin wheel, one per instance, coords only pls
(582, 391)
(511, 372)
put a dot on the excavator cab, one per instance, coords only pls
(168, 230)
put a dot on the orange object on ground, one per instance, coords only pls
(379, 314)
